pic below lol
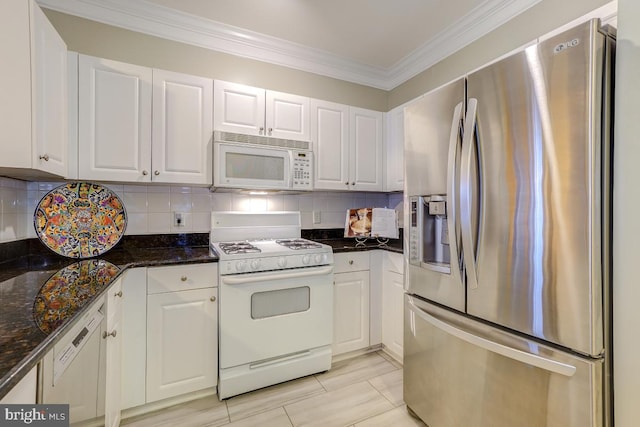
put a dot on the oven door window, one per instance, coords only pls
(280, 302)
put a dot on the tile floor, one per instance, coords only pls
(365, 391)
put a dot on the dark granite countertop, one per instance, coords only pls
(28, 266)
(335, 238)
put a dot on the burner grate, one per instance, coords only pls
(297, 244)
(244, 247)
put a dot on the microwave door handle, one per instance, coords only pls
(290, 169)
(452, 193)
(466, 182)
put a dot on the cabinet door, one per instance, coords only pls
(392, 312)
(365, 152)
(182, 128)
(113, 355)
(351, 311)
(114, 124)
(394, 150)
(49, 69)
(15, 84)
(134, 331)
(287, 116)
(238, 108)
(330, 137)
(180, 362)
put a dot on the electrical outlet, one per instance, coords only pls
(179, 219)
(316, 217)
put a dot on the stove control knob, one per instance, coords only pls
(241, 265)
(282, 262)
(255, 263)
(306, 259)
(317, 258)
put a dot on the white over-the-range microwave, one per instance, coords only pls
(261, 163)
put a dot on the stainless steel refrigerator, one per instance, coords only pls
(507, 240)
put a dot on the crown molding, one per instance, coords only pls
(159, 21)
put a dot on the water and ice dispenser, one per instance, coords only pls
(429, 233)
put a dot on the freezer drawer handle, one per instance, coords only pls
(520, 356)
(252, 278)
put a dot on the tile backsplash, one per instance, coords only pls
(151, 208)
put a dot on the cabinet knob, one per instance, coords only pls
(156, 173)
(353, 183)
(213, 299)
(261, 130)
(118, 294)
(44, 157)
(270, 130)
(183, 278)
(350, 262)
(112, 334)
(346, 183)
(145, 173)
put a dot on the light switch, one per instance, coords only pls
(316, 217)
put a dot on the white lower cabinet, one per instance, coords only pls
(351, 302)
(393, 305)
(170, 339)
(182, 344)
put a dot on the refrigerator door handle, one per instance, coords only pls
(452, 199)
(494, 347)
(466, 193)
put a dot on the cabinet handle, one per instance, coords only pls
(213, 299)
(112, 334)
(118, 294)
(350, 262)
(156, 173)
(145, 173)
(45, 157)
(183, 278)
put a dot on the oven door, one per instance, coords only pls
(250, 167)
(273, 314)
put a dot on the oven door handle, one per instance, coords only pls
(261, 277)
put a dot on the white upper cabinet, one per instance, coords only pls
(365, 152)
(138, 124)
(394, 150)
(254, 111)
(114, 120)
(347, 147)
(182, 128)
(330, 136)
(33, 112)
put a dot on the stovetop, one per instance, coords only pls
(247, 256)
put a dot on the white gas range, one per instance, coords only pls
(276, 300)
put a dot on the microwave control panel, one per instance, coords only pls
(302, 167)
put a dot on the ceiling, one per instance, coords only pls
(378, 43)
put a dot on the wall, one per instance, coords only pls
(150, 207)
(15, 216)
(626, 211)
(93, 38)
(521, 30)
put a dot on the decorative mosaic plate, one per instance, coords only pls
(69, 289)
(80, 220)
